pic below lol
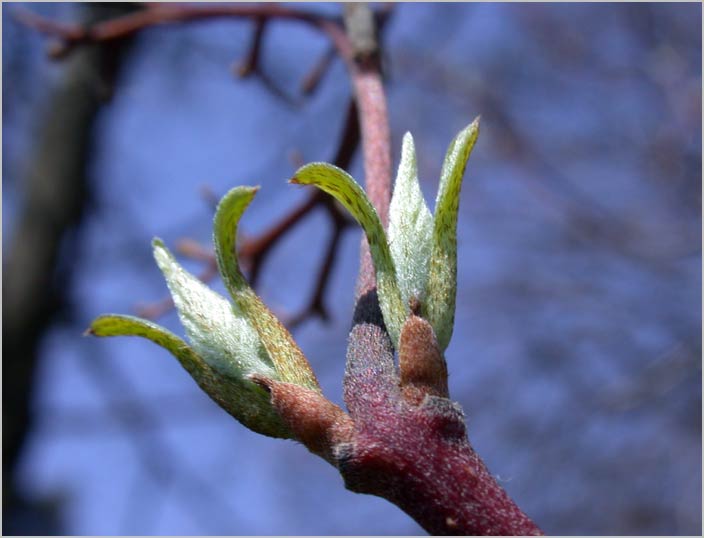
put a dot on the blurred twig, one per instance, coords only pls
(251, 65)
(254, 251)
(71, 36)
(312, 80)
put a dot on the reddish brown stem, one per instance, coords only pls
(376, 138)
(365, 72)
(418, 457)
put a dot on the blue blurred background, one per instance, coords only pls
(577, 345)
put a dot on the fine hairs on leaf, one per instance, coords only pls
(224, 338)
(287, 357)
(347, 191)
(230, 343)
(417, 263)
(439, 307)
(410, 227)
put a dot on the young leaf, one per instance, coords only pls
(439, 306)
(345, 189)
(410, 227)
(218, 331)
(289, 361)
(239, 396)
(119, 325)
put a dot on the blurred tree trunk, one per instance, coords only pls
(38, 265)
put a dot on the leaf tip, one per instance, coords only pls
(162, 255)
(473, 128)
(235, 194)
(94, 328)
(158, 243)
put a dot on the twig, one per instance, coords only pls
(251, 66)
(254, 251)
(316, 306)
(312, 80)
(161, 14)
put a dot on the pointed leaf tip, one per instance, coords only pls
(439, 308)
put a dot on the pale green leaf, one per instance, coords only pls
(218, 331)
(240, 397)
(410, 227)
(288, 360)
(345, 190)
(439, 306)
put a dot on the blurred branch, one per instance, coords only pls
(312, 80)
(75, 35)
(583, 218)
(254, 251)
(251, 65)
(665, 373)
